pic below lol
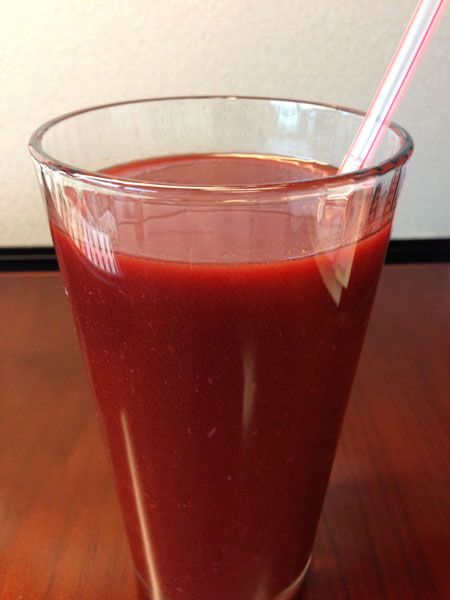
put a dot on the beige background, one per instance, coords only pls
(58, 56)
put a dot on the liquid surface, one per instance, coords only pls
(221, 390)
(223, 170)
(182, 228)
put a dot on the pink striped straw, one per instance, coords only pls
(407, 56)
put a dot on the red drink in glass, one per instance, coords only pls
(222, 338)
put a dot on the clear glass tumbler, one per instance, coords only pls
(221, 277)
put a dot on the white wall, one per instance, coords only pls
(60, 55)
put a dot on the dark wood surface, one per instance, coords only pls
(385, 529)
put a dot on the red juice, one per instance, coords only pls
(221, 388)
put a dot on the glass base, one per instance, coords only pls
(289, 593)
(296, 586)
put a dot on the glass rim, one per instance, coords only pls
(99, 178)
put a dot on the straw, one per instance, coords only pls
(336, 272)
(378, 117)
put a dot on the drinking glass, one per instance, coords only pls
(221, 276)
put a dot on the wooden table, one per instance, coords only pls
(385, 529)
